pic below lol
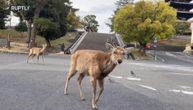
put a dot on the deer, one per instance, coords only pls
(35, 51)
(97, 65)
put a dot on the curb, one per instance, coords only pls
(13, 52)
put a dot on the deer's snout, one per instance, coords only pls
(119, 61)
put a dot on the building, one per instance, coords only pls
(184, 12)
(184, 8)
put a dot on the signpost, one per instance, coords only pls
(155, 46)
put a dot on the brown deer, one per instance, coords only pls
(35, 51)
(96, 64)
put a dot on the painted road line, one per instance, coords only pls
(175, 90)
(133, 79)
(187, 92)
(117, 77)
(182, 91)
(183, 74)
(148, 87)
(184, 87)
(170, 67)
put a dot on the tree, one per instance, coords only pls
(122, 3)
(28, 16)
(21, 27)
(3, 14)
(119, 4)
(47, 29)
(73, 19)
(182, 27)
(143, 21)
(55, 10)
(54, 14)
(90, 24)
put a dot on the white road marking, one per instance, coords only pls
(133, 79)
(118, 77)
(168, 67)
(148, 87)
(169, 54)
(184, 87)
(188, 92)
(182, 91)
(175, 90)
(183, 74)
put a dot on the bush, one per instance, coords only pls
(21, 27)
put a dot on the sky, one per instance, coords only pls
(103, 9)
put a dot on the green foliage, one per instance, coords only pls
(51, 12)
(119, 4)
(47, 28)
(56, 12)
(90, 24)
(3, 14)
(142, 21)
(73, 20)
(21, 27)
(182, 27)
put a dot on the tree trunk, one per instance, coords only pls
(48, 42)
(29, 32)
(40, 5)
(34, 31)
(142, 49)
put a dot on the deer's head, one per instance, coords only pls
(117, 53)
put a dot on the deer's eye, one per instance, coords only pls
(115, 52)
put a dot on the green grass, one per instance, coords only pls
(138, 55)
(18, 37)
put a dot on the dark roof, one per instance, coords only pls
(181, 5)
(184, 15)
(178, 0)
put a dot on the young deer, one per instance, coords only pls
(35, 51)
(96, 64)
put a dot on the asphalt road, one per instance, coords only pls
(154, 85)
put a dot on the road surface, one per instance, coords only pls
(152, 86)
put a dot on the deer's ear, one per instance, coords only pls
(109, 46)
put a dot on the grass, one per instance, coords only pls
(18, 40)
(138, 55)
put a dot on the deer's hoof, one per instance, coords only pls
(83, 99)
(65, 93)
(94, 108)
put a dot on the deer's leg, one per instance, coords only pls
(79, 80)
(71, 73)
(101, 86)
(43, 58)
(94, 86)
(38, 57)
(28, 57)
(33, 58)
